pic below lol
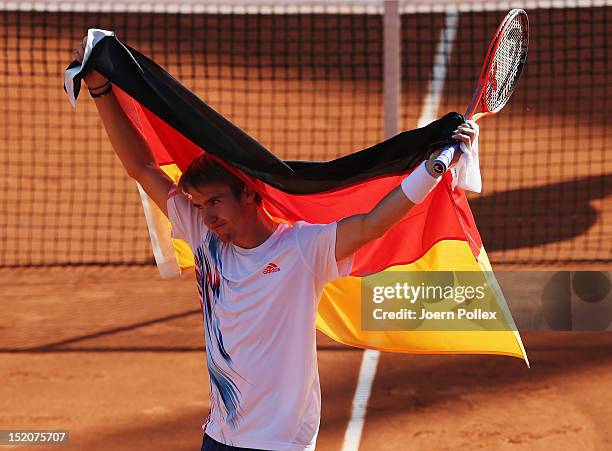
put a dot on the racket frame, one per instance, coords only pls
(443, 161)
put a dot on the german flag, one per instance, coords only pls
(435, 237)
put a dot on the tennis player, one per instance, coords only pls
(259, 282)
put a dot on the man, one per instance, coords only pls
(259, 282)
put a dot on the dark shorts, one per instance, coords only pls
(209, 444)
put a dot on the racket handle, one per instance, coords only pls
(442, 162)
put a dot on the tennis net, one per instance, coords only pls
(306, 80)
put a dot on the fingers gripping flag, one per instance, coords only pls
(437, 235)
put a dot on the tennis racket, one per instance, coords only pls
(500, 73)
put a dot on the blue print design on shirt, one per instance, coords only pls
(208, 265)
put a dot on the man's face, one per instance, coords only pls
(221, 211)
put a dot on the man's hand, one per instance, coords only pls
(466, 134)
(356, 231)
(93, 78)
(129, 144)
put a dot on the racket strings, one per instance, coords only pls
(506, 67)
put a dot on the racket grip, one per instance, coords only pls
(442, 162)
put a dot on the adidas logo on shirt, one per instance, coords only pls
(272, 267)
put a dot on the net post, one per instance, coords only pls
(392, 78)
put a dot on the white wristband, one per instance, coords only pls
(419, 184)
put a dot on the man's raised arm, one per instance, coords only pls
(128, 143)
(356, 231)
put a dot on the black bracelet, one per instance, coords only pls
(103, 93)
(104, 85)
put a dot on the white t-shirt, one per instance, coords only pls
(260, 308)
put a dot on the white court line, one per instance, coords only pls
(367, 372)
(431, 103)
